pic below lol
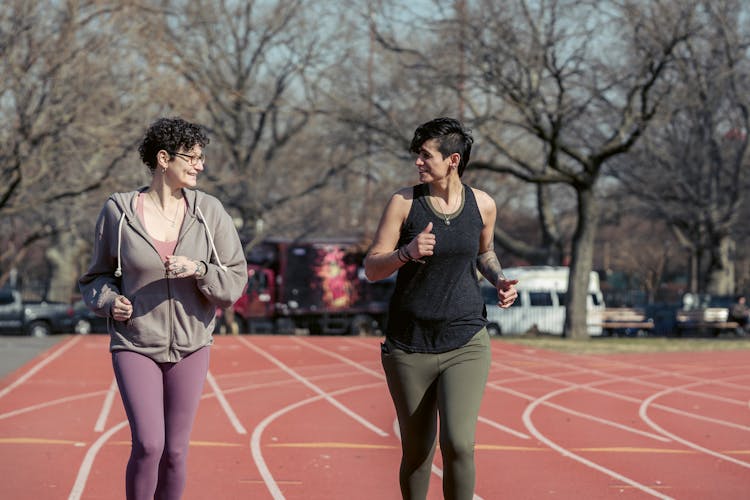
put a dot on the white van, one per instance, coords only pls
(540, 305)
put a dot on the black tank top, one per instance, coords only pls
(437, 306)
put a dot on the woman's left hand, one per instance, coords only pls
(179, 266)
(506, 292)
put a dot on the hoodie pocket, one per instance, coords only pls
(149, 324)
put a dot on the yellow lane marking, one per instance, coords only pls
(258, 481)
(495, 447)
(362, 446)
(334, 445)
(22, 440)
(216, 443)
(628, 449)
(622, 487)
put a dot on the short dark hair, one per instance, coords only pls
(171, 135)
(451, 135)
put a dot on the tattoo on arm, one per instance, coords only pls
(489, 266)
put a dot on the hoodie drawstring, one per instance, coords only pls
(118, 271)
(210, 238)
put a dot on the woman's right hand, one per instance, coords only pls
(122, 309)
(423, 244)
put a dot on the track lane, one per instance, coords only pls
(588, 404)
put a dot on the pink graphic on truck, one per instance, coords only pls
(336, 276)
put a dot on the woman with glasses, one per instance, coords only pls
(165, 257)
(436, 355)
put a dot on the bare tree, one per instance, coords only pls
(691, 169)
(67, 112)
(256, 68)
(555, 90)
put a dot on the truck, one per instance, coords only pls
(540, 306)
(315, 285)
(35, 318)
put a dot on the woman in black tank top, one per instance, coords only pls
(436, 356)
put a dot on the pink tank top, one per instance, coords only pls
(163, 247)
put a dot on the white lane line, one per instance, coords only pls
(255, 445)
(486, 421)
(503, 428)
(87, 464)
(46, 404)
(85, 470)
(703, 418)
(527, 419)
(528, 374)
(44, 362)
(359, 366)
(645, 370)
(643, 412)
(315, 388)
(577, 413)
(435, 469)
(106, 407)
(231, 415)
(634, 379)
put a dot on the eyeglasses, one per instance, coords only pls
(191, 159)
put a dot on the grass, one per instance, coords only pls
(615, 345)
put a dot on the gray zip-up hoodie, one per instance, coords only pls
(172, 317)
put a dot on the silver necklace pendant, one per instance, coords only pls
(447, 222)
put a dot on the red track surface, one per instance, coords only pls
(311, 418)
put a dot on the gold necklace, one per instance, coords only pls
(439, 210)
(173, 221)
(445, 216)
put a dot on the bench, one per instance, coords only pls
(711, 319)
(616, 320)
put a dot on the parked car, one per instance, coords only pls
(705, 314)
(37, 319)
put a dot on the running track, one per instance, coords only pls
(311, 418)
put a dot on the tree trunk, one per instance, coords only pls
(694, 267)
(63, 256)
(580, 265)
(721, 274)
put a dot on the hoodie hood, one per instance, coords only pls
(126, 203)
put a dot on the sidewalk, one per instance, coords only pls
(15, 351)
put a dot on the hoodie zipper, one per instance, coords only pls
(186, 223)
(186, 226)
(171, 319)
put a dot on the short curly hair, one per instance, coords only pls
(451, 135)
(170, 135)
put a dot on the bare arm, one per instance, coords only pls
(489, 265)
(383, 258)
(487, 261)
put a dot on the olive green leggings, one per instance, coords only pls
(450, 385)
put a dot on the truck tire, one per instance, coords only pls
(363, 325)
(285, 326)
(39, 329)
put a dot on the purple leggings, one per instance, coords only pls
(161, 400)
